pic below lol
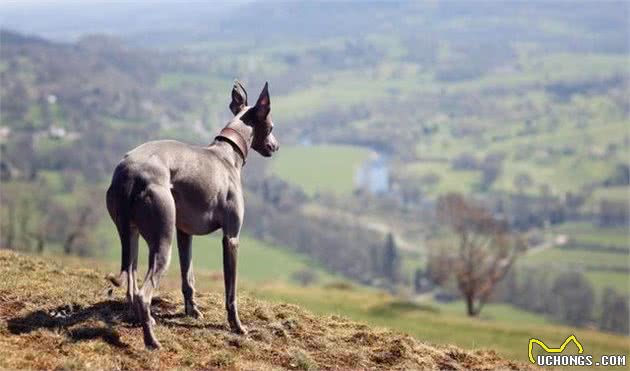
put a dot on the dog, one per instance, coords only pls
(166, 188)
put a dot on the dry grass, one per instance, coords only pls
(60, 318)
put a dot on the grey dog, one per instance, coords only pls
(165, 187)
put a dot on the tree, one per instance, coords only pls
(72, 225)
(573, 298)
(522, 181)
(429, 180)
(21, 215)
(615, 314)
(489, 173)
(418, 277)
(490, 169)
(613, 212)
(619, 177)
(486, 250)
(465, 161)
(533, 292)
(391, 260)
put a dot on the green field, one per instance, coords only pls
(601, 280)
(558, 259)
(528, 154)
(602, 268)
(588, 233)
(449, 180)
(579, 258)
(258, 262)
(494, 312)
(320, 168)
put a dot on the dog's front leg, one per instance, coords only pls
(230, 257)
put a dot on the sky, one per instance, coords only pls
(68, 20)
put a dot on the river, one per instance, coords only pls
(373, 175)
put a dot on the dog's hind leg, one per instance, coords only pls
(132, 268)
(119, 208)
(129, 259)
(155, 217)
(184, 245)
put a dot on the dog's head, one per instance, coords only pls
(258, 117)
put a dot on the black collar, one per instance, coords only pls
(235, 138)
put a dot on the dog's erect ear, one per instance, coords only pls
(263, 104)
(239, 97)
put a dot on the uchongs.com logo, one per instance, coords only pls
(554, 356)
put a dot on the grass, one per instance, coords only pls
(450, 180)
(617, 194)
(594, 263)
(601, 280)
(589, 233)
(599, 266)
(175, 80)
(557, 67)
(508, 338)
(562, 173)
(58, 318)
(321, 168)
(580, 258)
(496, 312)
(346, 88)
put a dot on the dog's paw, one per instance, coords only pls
(152, 344)
(195, 313)
(192, 311)
(239, 329)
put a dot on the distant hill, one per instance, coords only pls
(96, 76)
(61, 99)
(57, 318)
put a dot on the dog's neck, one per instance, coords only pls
(238, 137)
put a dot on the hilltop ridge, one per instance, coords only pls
(58, 318)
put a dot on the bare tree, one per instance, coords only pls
(486, 250)
(84, 217)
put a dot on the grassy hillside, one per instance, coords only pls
(56, 318)
(507, 335)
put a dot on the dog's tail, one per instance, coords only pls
(120, 197)
(117, 281)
